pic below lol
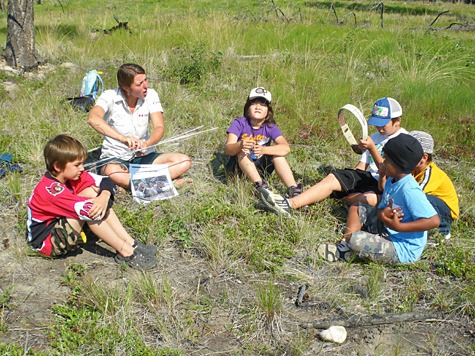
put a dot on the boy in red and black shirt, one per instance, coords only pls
(67, 197)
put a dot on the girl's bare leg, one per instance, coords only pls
(284, 172)
(248, 167)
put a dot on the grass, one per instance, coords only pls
(203, 57)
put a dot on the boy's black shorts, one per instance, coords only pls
(355, 181)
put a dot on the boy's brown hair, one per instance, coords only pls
(61, 150)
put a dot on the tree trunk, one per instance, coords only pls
(20, 47)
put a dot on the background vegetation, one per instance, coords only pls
(203, 57)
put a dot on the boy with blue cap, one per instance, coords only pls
(351, 185)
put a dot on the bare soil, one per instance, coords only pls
(34, 284)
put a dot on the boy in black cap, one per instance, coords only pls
(395, 231)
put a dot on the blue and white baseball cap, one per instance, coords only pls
(384, 110)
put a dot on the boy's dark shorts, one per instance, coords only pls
(264, 165)
(354, 181)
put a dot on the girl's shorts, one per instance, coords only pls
(264, 165)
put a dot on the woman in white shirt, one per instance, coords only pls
(123, 115)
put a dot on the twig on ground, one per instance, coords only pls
(332, 7)
(437, 17)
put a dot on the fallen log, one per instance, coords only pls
(372, 320)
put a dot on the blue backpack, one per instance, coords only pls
(92, 84)
(91, 87)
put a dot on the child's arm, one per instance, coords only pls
(392, 219)
(369, 145)
(98, 189)
(100, 199)
(382, 177)
(100, 205)
(281, 148)
(233, 147)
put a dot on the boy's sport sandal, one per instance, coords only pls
(137, 260)
(150, 250)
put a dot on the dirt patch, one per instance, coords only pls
(35, 285)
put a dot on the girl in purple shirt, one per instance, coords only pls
(249, 144)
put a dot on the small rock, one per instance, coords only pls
(335, 334)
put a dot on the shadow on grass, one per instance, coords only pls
(218, 164)
(92, 245)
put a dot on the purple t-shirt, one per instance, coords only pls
(263, 136)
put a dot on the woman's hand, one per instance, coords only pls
(133, 142)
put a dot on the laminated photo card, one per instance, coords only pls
(151, 182)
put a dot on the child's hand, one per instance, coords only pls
(392, 216)
(367, 144)
(258, 150)
(247, 146)
(99, 206)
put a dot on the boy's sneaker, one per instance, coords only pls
(293, 191)
(344, 251)
(333, 253)
(274, 202)
(138, 260)
(146, 249)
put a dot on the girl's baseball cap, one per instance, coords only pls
(383, 111)
(260, 92)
